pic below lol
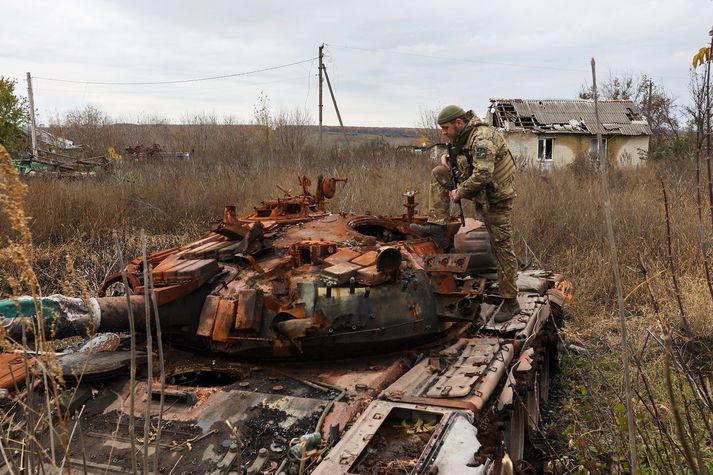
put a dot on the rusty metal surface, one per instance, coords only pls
(349, 450)
(463, 375)
(267, 403)
(294, 320)
(96, 364)
(320, 283)
(12, 371)
(534, 304)
(458, 263)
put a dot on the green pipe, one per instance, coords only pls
(62, 316)
(25, 307)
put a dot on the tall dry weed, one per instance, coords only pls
(558, 219)
(561, 219)
(16, 259)
(17, 249)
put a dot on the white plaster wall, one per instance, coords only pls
(523, 145)
(632, 150)
(564, 151)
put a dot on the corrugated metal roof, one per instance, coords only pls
(48, 139)
(571, 116)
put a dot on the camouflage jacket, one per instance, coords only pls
(490, 179)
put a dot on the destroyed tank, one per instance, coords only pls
(296, 340)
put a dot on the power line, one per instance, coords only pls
(80, 90)
(225, 76)
(462, 60)
(309, 84)
(476, 61)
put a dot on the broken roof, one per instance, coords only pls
(46, 138)
(618, 117)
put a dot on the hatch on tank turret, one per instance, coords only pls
(383, 230)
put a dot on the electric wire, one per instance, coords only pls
(179, 81)
(309, 83)
(83, 90)
(460, 60)
(470, 60)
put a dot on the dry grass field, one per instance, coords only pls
(559, 225)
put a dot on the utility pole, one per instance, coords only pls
(33, 132)
(651, 86)
(334, 101)
(321, 80)
(322, 76)
(708, 103)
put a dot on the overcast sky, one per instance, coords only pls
(386, 60)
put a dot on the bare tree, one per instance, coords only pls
(614, 88)
(427, 125)
(201, 133)
(291, 131)
(656, 105)
(262, 116)
(699, 111)
(85, 126)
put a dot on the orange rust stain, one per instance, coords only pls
(12, 371)
(567, 289)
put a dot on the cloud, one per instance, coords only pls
(385, 59)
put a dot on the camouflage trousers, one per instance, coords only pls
(498, 221)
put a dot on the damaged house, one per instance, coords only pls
(552, 133)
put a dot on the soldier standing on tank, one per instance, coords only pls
(485, 171)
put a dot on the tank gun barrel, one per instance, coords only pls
(63, 317)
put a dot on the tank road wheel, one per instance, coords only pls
(532, 402)
(544, 378)
(515, 432)
(551, 359)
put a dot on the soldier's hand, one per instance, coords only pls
(455, 196)
(444, 161)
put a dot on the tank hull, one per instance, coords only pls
(296, 340)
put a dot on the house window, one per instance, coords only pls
(595, 146)
(545, 149)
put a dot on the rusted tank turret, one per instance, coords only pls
(348, 308)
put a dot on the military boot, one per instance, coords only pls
(437, 232)
(507, 309)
